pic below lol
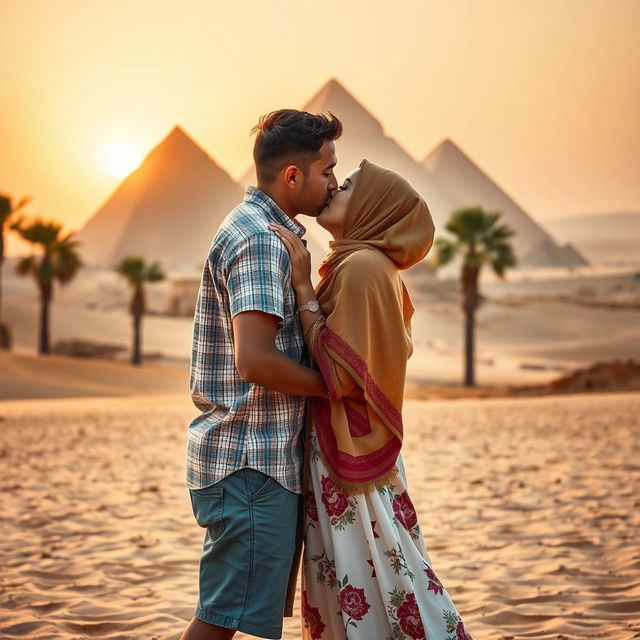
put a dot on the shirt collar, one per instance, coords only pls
(275, 213)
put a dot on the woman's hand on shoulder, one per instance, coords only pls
(299, 254)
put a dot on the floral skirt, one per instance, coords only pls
(366, 572)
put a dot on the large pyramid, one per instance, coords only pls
(364, 137)
(458, 173)
(168, 209)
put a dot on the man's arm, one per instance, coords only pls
(259, 361)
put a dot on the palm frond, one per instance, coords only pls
(26, 266)
(66, 262)
(445, 251)
(41, 232)
(480, 236)
(136, 271)
(154, 273)
(502, 258)
(5, 208)
(60, 259)
(131, 269)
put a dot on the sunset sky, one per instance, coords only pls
(544, 95)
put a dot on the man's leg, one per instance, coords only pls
(247, 555)
(274, 516)
(223, 569)
(198, 630)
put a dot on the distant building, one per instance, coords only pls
(182, 295)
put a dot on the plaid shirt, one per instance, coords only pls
(243, 424)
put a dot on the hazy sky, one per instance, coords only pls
(544, 95)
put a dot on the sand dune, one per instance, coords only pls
(28, 376)
(529, 509)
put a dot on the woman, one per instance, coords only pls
(367, 574)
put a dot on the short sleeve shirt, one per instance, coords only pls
(240, 423)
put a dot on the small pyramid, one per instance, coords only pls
(547, 253)
(168, 209)
(534, 246)
(572, 257)
(604, 238)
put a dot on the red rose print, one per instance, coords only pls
(373, 573)
(312, 618)
(373, 528)
(310, 506)
(434, 584)
(404, 511)
(353, 602)
(409, 618)
(461, 634)
(335, 500)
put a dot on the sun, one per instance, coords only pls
(122, 159)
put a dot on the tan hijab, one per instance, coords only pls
(363, 349)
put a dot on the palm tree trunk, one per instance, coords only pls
(45, 303)
(469, 348)
(470, 300)
(5, 335)
(137, 309)
(136, 356)
(1, 265)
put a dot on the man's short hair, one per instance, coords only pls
(289, 136)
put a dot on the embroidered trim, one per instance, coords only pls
(335, 343)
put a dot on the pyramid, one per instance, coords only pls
(166, 210)
(572, 257)
(458, 173)
(364, 137)
(547, 253)
(605, 238)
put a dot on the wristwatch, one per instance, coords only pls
(312, 306)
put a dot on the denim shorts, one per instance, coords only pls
(247, 553)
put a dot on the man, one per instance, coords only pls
(244, 453)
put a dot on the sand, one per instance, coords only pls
(25, 376)
(529, 508)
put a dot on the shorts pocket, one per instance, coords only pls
(207, 505)
(264, 488)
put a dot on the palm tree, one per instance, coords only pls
(58, 260)
(479, 240)
(136, 271)
(7, 210)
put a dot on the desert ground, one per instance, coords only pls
(529, 508)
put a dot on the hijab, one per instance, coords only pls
(363, 348)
